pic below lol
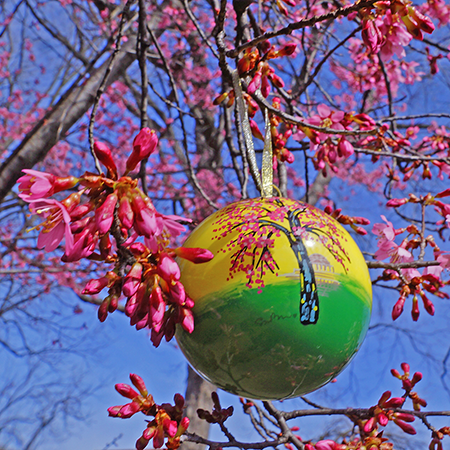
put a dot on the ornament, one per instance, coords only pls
(283, 306)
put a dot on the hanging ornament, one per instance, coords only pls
(283, 306)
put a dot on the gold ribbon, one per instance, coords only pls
(264, 183)
(267, 160)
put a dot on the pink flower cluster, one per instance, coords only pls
(411, 281)
(168, 422)
(331, 149)
(119, 225)
(408, 384)
(392, 26)
(254, 62)
(382, 414)
(353, 221)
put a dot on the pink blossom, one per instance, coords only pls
(435, 271)
(145, 223)
(438, 9)
(409, 273)
(327, 118)
(36, 185)
(83, 246)
(171, 225)
(371, 35)
(385, 231)
(396, 36)
(444, 259)
(345, 149)
(56, 226)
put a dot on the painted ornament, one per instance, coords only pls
(283, 306)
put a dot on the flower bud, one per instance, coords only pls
(394, 402)
(255, 130)
(195, 255)
(139, 249)
(177, 293)
(103, 153)
(170, 427)
(265, 87)
(255, 83)
(405, 417)
(369, 425)
(179, 401)
(384, 398)
(382, 419)
(219, 99)
(288, 49)
(187, 321)
(126, 391)
(125, 212)
(184, 424)
(345, 149)
(416, 377)
(132, 280)
(128, 410)
(113, 303)
(113, 411)
(157, 309)
(326, 444)
(141, 443)
(395, 202)
(104, 215)
(406, 427)
(428, 304)
(144, 145)
(95, 286)
(398, 308)
(102, 312)
(405, 367)
(415, 312)
(156, 337)
(168, 268)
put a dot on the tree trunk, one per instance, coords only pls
(198, 395)
(55, 124)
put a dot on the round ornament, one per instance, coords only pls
(284, 304)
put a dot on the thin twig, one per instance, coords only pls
(199, 30)
(192, 175)
(341, 12)
(141, 49)
(393, 266)
(102, 86)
